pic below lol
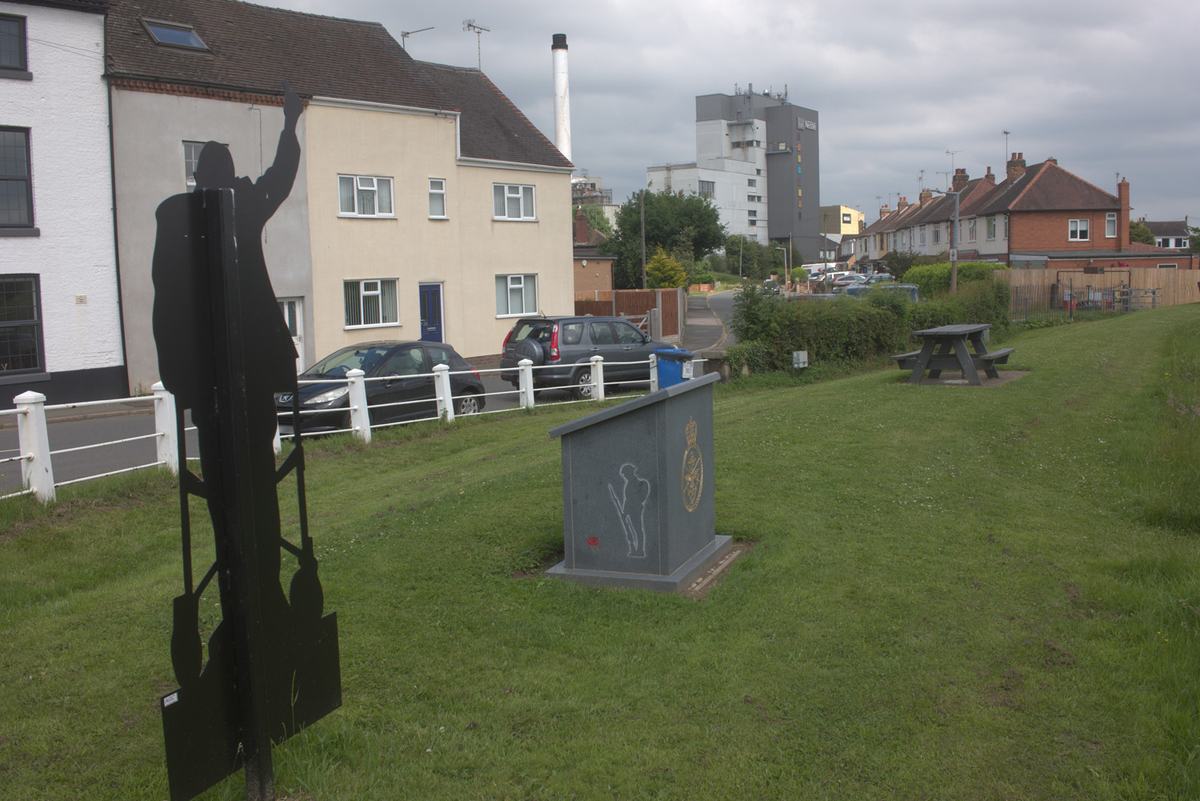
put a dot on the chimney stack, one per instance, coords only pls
(1123, 218)
(925, 196)
(1016, 166)
(989, 177)
(961, 179)
(902, 204)
(583, 231)
(562, 95)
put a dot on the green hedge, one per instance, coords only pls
(934, 279)
(849, 331)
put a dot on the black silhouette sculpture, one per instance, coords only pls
(224, 350)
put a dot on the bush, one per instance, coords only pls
(753, 308)
(752, 356)
(934, 279)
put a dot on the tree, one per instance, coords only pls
(664, 272)
(1194, 240)
(674, 221)
(1140, 232)
(597, 219)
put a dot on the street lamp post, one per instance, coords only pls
(787, 272)
(953, 242)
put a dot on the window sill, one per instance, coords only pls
(367, 217)
(376, 325)
(16, 75)
(7, 378)
(518, 314)
(443, 217)
(514, 219)
(20, 232)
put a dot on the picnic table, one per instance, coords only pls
(945, 348)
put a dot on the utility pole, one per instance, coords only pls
(643, 204)
(953, 243)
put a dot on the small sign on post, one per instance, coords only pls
(799, 359)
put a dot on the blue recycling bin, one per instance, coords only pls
(674, 366)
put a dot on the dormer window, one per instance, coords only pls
(172, 34)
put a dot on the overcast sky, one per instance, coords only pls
(1104, 86)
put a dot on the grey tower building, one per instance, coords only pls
(758, 160)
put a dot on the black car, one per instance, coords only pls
(567, 344)
(405, 373)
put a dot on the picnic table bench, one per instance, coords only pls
(945, 348)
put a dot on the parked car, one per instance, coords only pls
(880, 278)
(771, 285)
(568, 343)
(911, 291)
(846, 279)
(406, 373)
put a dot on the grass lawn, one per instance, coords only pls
(952, 593)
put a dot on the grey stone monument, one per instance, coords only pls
(638, 505)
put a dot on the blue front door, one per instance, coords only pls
(431, 312)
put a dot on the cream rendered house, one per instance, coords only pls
(435, 224)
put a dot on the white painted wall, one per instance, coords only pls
(65, 106)
(149, 130)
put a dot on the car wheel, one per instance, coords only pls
(469, 403)
(581, 387)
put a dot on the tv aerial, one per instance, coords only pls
(478, 30)
(405, 34)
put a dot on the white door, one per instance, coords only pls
(293, 313)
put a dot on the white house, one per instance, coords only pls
(60, 325)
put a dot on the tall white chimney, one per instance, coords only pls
(562, 96)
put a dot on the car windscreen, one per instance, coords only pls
(336, 365)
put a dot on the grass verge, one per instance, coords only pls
(955, 593)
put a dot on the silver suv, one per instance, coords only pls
(569, 343)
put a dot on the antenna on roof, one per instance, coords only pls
(1006, 133)
(478, 30)
(921, 181)
(939, 172)
(405, 34)
(951, 154)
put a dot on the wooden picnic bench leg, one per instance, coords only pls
(922, 360)
(989, 367)
(967, 363)
(945, 348)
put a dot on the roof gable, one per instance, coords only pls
(1048, 187)
(254, 48)
(490, 126)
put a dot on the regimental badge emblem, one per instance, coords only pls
(693, 469)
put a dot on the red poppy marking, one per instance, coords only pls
(593, 541)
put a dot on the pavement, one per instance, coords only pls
(704, 328)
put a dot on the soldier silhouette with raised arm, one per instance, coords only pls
(297, 648)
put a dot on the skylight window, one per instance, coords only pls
(174, 35)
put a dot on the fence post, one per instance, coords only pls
(360, 417)
(164, 426)
(34, 441)
(445, 397)
(598, 378)
(525, 379)
(656, 323)
(653, 373)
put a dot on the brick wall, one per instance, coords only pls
(1049, 230)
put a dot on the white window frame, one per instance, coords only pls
(1079, 230)
(358, 292)
(505, 195)
(437, 191)
(522, 284)
(1168, 266)
(1110, 225)
(367, 184)
(191, 157)
(972, 230)
(991, 228)
(937, 234)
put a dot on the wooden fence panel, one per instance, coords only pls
(1174, 286)
(636, 303)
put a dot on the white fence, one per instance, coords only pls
(37, 460)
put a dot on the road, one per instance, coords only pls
(705, 329)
